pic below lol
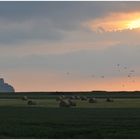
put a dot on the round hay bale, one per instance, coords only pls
(92, 100)
(109, 100)
(72, 103)
(24, 98)
(30, 102)
(75, 97)
(72, 97)
(63, 97)
(83, 98)
(78, 97)
(64, 103)
(59, 98)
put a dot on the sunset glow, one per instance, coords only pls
(115, 22)
(134, 24)
(68, 46)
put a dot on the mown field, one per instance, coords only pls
(52, 103)
(118, 119)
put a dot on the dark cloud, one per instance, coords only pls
(61, 10)
(15, 36)
(63, 17)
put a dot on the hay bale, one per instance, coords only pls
(59, 98)
(92, 100)
(64, 103)
(77, 97)
(30, 102)
(63, 97)
(72, 97)
(24, 98)
(109, 100)
(83, 98)
(72, 103)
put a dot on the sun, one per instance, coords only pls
(134, 24)
(114, 22)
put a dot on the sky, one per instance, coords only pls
(70, 46)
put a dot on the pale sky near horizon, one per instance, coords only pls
(70, 46)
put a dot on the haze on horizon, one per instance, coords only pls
(70, 46)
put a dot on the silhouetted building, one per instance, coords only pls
(5, 87)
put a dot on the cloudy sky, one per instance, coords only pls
(70, 46)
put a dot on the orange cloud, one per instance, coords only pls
(115, 22)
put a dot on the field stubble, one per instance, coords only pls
(118, 119)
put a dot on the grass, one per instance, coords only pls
(39, 122)
(52, 103)
(118, 119)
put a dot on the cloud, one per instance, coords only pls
(26, 31)
(55, 21)
(98, 61)
(115, 22)
(45, 40)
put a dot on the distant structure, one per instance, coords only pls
(5, 87)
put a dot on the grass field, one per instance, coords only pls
(118, 119)
(52, 103)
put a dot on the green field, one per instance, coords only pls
(118, 119)
(52, 103)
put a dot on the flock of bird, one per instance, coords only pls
(128, 73)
